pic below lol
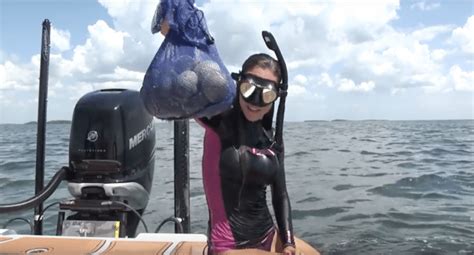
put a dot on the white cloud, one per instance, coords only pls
(438, 54)
(310, 33)
(395, 91)
(104, 48)
(122, 74)
(134, 18)
(396, 60)
(356, 37)
(3, 77)
(340, 46)
(325, 80)
(16, 77)
(297, 90)
(300, 80)
(60, 39)
(80, 89)
(347, 85)
(464, 36)
(425, 6)
(357, 22)
(463, 80)
(296, 64)
(429, 33)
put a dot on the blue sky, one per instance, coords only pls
(367, 59)
(28, 15)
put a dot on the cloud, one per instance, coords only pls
(396, 60)
(102, 51)
(438, 54)
(355, 39)
(338, 38)
(463, 80)
(429, 33)
(346, 85)
(332, 47)
(325, 80)
(425, 6)
(298, 86)
(323, 30)
(17, 77)
(296, 90)
(300, 80)
(464, 36)
(135, 18)
(60, 39)
(122, 74)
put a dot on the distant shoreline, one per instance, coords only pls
(49, 122)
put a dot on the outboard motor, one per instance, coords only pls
(111, 157)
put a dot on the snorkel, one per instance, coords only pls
(284, 221)
(272, 45)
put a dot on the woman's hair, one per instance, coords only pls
(263, 61)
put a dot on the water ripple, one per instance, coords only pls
(429, 186)
(326, 212)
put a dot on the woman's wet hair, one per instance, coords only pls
(263, 61)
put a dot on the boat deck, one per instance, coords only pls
(157, 244)
(174, 244)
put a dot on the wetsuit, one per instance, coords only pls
(239, 162)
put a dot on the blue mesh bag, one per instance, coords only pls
(186, 78)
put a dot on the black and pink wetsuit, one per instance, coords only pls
(239, 162)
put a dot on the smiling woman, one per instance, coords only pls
(242, 157)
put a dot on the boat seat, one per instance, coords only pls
(49, 245)
(2, 238)
(191, 248)
(137, 247)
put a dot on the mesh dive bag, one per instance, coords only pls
(186, 78)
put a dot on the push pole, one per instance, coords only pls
(181, 175)
(41, 127)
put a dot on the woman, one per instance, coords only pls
(240, 160)
(242, 156)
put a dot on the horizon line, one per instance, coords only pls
(306, 120)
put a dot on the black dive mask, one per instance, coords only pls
(255, 90)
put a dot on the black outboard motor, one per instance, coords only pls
(111, 157)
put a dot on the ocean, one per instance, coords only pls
(356, 187)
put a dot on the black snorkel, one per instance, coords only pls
(283, 221)
(272, 45)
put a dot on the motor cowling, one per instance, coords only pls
(112, 137)
(111, 152)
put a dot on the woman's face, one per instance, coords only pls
(251, 112)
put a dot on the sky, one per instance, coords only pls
(359, 59)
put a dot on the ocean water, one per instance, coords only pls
(356, 187)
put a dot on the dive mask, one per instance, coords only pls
(255, 90)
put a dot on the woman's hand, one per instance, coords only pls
(165, 27)
(289, 250)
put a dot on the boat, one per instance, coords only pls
(109, 176)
